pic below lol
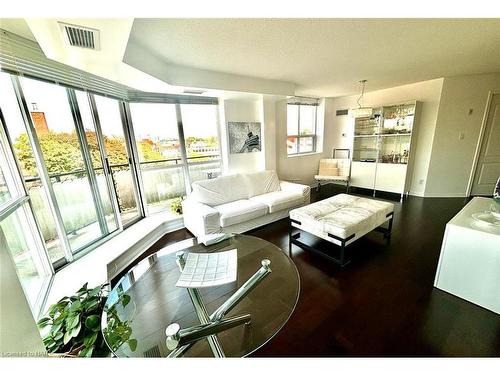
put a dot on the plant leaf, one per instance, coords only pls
(125, 300)
(91, 304)
(133, 344)
(56, 327)
(72, 322)
(58, 336)
(92, 322)
(89, 351)
(76, 330)
(94, 292)
(67, 337)
(44, 322)
(75, 306)
(90, 340)
(84, 287)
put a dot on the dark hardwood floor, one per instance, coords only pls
(383, 303)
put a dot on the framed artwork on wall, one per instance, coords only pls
(244, 137)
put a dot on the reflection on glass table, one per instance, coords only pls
(154, 302)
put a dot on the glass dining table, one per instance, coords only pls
(146, 301)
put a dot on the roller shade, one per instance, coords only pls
(24, 57)
(300, 100)
(151, 97)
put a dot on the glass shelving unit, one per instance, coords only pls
(395, 133)
(366, 130)
(382, 148)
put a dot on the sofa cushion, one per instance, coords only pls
(220, 190)
(343, 215)
(239, 211)
(262, 182)
(280, 200)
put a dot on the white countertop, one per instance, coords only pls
(464, 218)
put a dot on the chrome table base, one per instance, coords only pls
(180, 340)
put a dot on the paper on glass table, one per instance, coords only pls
(206, 270)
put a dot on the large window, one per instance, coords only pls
(301, 128)
(160, 154)
(177, 144)
(76, 167)
(19, 235)
(22, 147)
(200, 124)
(54, 126)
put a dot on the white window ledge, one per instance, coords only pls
(305, 154)
(101, 264)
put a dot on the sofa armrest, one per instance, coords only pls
(299, 188)
(200, 219)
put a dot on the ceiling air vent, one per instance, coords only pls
(342, 112)
(79, 36)
(193, 91)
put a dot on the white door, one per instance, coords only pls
(488, 166)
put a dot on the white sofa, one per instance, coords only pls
(240, 202)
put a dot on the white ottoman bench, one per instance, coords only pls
(341, 220)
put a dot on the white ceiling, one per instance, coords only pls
(324, 57)
(313, 57)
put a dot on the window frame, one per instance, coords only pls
(22, 203)
(299, 136)
(23, 199)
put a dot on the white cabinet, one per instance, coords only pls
(363, 174)
(382, 148)
(469, 264)
(390, 177)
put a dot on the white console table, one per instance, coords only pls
(469, 264)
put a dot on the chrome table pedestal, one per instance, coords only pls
(179, 340)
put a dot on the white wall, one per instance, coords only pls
(338, 130)
(242, 107)
(452, 159)
(19, 335)
(268, 116)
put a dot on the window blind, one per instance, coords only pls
(151, 97)
(301, 100)
(24, 57)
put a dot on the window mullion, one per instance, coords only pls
(134, 163)
(298, 129)
(182, 141)
(105, 160)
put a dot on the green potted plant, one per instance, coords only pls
(176, 206)
(72, 326)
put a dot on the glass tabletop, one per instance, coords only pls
(145, 301)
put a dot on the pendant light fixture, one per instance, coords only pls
(362, 111)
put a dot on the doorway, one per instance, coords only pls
(488, 163)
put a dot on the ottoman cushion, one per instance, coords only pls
(343, 215)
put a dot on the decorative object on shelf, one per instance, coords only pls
(179, 340)
(72, 326)
(244, 137)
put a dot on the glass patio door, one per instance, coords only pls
(56, 130)
(119, 162)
